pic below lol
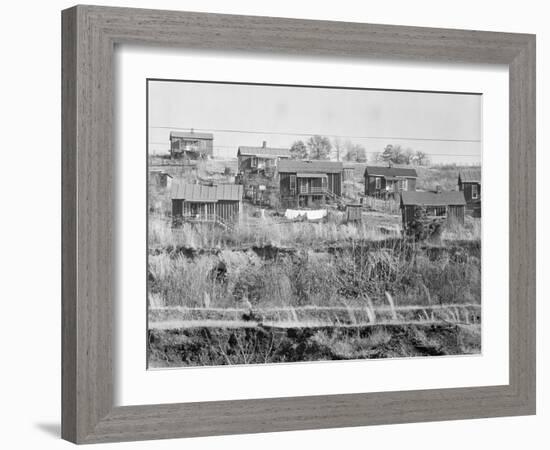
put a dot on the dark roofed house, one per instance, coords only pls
(469, 182)
(305, 183)
(196, 202)
(388, 181)
(191, 144)
(446, 204)
(257, 159)
(257, 170)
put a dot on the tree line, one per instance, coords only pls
(321, 148)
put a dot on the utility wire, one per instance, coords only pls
(366, 151)
(401, 138)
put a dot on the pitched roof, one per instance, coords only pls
(293, 165)
(191, 135)
(206, 194)
(264, 151)
(390, 171)
(470, 175)
(445, 198)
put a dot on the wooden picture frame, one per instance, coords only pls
(90, 34)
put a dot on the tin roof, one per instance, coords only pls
(293, 166)
(206, 194)
(264, 151)
(390, 171)
(191, 135)
(470, 175)
(455, 198)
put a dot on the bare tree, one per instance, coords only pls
(338, 147)
(355, 152)
(421, 158)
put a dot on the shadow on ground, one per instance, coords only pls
(53, 429)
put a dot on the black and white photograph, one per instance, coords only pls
(291, 224)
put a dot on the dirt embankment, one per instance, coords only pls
(258, 345)
(270, 251)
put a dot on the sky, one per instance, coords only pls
(447, 126)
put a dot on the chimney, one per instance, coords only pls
(192, 130)
(264, 143)
(390, 164)
(438, 189)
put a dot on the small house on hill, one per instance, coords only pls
(195, 202)
(160, 179)
(191, 145)
(305, 183)
(449, 205)
(469, 182)
(260, 159)
(389, 181)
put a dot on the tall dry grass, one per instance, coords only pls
(260, 232)
(356, 275)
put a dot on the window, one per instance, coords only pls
(253, 162)
(404, 184)
(377, 183)
(475, 191)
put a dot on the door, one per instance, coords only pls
(303, 185)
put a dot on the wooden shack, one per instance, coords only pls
(449, 205)
(469, 182)
(160, 179)
(309, 183)
(196, 202)
(191, 145)
(389, 181)
(260, 159)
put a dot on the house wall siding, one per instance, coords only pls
(227, 210)
(205, 146)
(467, 189)
(453, 213)
(334, 183)
(370, 185)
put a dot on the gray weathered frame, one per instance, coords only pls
(89, 36)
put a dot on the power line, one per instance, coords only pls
(401, 138)
(366, 151)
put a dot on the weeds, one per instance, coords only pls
(355, 275)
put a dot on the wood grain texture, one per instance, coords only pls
(89, 36)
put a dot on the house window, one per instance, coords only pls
(253, 162)
(475, 191)
(292, 184)
(377, 183)
(404, 184)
